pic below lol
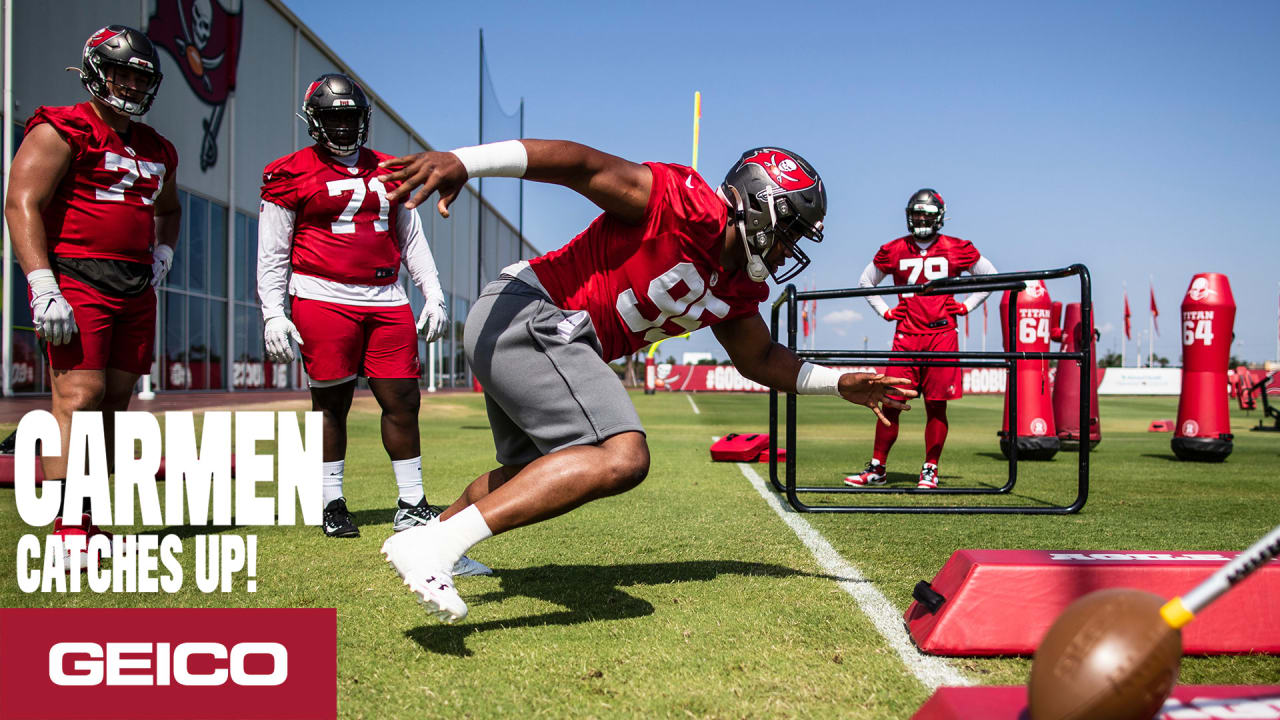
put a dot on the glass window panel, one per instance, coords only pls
(251, 263)
(217, 250)
(175, 375)
(177, 277)
(441, 238)
(18, 298)
(242, 249)
(198, 343)
(28, 363)
(197, 245)
(217, 345)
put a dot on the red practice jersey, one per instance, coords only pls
(344, 229)
(908, 264)
(661, 278)
(105, 205)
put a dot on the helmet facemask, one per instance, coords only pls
(342, 130)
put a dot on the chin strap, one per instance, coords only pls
(756, 269)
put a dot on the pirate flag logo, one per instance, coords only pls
(204, 38)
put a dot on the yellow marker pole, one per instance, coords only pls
(697, 120)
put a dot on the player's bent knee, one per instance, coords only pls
(628, 464)
(79, 398)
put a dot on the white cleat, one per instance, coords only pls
(466, 567)
(433, 586)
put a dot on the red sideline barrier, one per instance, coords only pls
(1188, 702)
(1001, 602)
(1160, 426)
(7, 463)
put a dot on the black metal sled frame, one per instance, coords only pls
(1015, 281)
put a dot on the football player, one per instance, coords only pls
(330, 238)
(669, 255)
(94, 215)
(925, 324)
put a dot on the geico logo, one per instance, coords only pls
(1147, 557)
(93, 664)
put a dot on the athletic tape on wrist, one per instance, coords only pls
(42, 282)
(163, 253)
(818, 380)
(501, 159)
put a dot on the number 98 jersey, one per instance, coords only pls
(104, 207)
(909, 265)
(659, 279)
(344, 229)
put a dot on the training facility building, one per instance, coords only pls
(234, 74)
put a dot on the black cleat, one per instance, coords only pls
(337, 520)
(408, 516)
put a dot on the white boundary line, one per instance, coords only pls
(696, 411)
(932, 672)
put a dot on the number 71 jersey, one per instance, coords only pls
(909, 265)
(344, 229)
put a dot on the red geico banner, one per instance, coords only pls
(168, 662)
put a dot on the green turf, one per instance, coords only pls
(688, 596)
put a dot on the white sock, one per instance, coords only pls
(455, 536)
(877, 461)
(409, 479)
(331, 480)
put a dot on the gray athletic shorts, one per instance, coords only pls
(546, 385)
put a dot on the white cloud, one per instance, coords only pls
(842, 317)
(1106, 328)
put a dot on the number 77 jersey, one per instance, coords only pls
(344, 229)
(104, 207)
(909, 265)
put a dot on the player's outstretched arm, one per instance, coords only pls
(619, 187)
(759, 358)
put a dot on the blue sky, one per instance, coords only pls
(1139, 138)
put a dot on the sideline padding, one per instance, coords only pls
(1188, 702)
(1002, 602)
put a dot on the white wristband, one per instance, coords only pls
(42, 282)
(501, 159)
(818, 380)
(163, 253)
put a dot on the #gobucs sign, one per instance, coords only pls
(785, 171)
(203, 37)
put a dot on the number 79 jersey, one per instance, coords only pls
(343, 228)
(104, 207)
(658, 279)
(908, 264)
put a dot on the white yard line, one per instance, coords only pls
(932, 672)
(696, 411)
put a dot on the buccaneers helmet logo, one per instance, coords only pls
(783, 169)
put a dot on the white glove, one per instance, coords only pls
(161, 263)
(279, 331)
(50, 312)
(432, 319)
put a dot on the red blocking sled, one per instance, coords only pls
(1002, 602)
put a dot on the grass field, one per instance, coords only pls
(689, 596)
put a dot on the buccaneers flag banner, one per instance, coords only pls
(1126, 317)
(203, 36)
(1155, 313)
